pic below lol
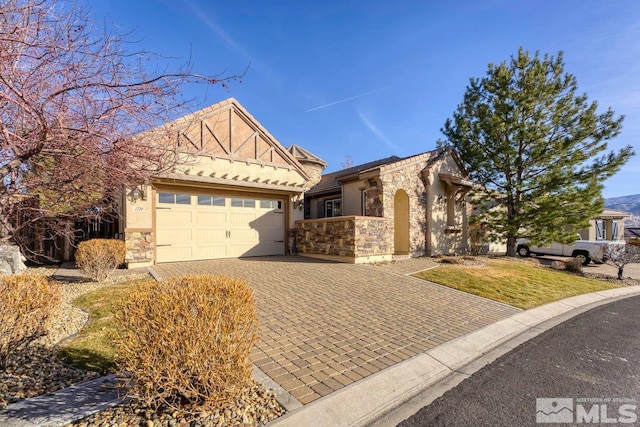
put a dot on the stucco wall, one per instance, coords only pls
(352, 198)
(445, 235)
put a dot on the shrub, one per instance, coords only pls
(557, 265)
(187, 340)
(573, 265)
(26, 304)
(452, 260)
(99, 257)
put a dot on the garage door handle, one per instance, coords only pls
(160, 207)
(157, 246)
(279, 241)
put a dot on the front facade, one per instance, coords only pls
(237, 193)
(609, 225)
(411, 206)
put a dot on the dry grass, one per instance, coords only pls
(26, 304)
(519, 284)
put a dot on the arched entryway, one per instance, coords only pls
(401, 222)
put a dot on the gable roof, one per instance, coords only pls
(212, 131)
(303, 155)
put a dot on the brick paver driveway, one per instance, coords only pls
(326, 325)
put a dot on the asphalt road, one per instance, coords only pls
(588, 365)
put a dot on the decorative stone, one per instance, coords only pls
(11, 259)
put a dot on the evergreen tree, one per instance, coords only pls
(537, 148)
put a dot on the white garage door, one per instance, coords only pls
(204, 226)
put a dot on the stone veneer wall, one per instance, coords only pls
(408, 179)
(140, 246)
(348, 236)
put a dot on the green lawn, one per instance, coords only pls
(93, 348)
(515, 283)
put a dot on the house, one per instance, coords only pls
(238, 192)
(608, 225)
(410, 206)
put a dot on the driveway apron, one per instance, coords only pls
(325, 325)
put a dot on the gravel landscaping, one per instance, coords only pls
(38, 371)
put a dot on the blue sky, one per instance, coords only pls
(370, 79)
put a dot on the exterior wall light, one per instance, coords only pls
(137, 194)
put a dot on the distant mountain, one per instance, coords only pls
(629, 204)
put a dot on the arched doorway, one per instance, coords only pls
(401, 222)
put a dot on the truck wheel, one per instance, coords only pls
(523, 251)
(583, 257)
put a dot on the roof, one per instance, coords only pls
(610, 213)
(303, 155)
(632, 233)
(329, 182)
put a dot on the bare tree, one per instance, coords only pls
(347, 162)
(72, 96)
(621, 255)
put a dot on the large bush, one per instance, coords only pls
(187, 340)
(26, 304)
(99, 257)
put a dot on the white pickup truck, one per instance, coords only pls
(585, 250)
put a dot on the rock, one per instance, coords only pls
(11, 256)
(5, 268)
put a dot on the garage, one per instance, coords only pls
(193, 225)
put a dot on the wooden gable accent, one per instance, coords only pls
(229, 133)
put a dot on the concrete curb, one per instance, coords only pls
(371, 401)
(283, 397)
(64, 406)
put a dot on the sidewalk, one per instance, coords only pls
(377, 399)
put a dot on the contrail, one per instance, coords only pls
(348, 99)
(213, 25)
(377, 132)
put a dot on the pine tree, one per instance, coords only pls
(537, 148)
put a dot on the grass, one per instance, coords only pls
(515, 283)
(92, 349)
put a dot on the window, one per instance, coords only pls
(211, 200)
(238, 202)
(332, 208)
(270, 204)
(600, 231)
(614, 230)
(174, 198)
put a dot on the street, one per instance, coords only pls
(587, 368)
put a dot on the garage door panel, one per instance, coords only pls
(211, 218)
(208, 235)
(211, 251)
(176, 235)
(174, 253)
(242, 218)
(173, 216)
